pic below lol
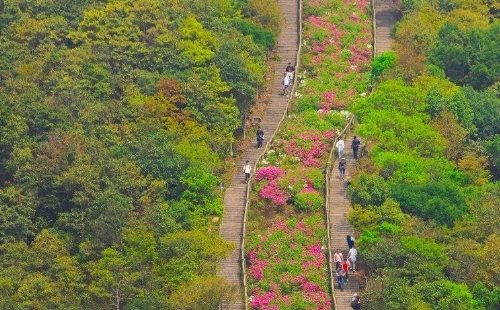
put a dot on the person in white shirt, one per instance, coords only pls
(337, 259)
(340, 147)
(247, 169)
(286, 85)
(352, 258)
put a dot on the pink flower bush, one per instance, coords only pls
(308, 188)
(269, 173)
(285, 245)
(311, 153)
(276, 195)
(257, 266)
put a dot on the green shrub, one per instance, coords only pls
(385, 61)
(260, 36)
(335, 119)
(442, 202)
(309, 103)
(308, 201)
(368, 190)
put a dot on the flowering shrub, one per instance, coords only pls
(292, 278)
(269, 173)
(285, 259)
(276, 195)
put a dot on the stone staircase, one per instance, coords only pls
(235, 195)
(387, 13)
(339, 226)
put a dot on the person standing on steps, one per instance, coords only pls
(350, 241)
(355, 303)
(352, 258)
(342, 166)
(247, 169)
(260, 137)
(290, 71)
(345, 267)
(337, 259)
(286, 85)
(355, 146)
(340, 147)
(340, 278)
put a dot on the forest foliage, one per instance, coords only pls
(116, 118)
(426, 197)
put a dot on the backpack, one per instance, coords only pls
(354, 302)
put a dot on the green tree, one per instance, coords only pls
(202, 293)
(190, 254)
(112, 279)
(368, 190)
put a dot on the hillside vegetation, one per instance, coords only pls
(115, 120)
(427, 198)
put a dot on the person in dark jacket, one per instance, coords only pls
(355, 303)
(350, 241)
(260, 137)
(342, 166)
(355, 146)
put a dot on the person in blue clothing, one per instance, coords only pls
(341, 278)
(355, 146)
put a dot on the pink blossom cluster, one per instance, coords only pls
(329, 101)
(287, 286)
(308, 188)
(319, 22)
(358, 56)
(318, 59)
(262, 301)
(329, 96)
(257, 266)
(309, 156)
(269, 173)
(363, 5)
(301, 227)
(317, 3)
(274, 193)
(329, 135)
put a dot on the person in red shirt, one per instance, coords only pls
(345, 267)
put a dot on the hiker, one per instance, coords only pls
(340, 147)
(355, 304)
(355, 146)
(340, 278)
(350, 241)
(247, 169)
(352, 258)
(345, 267)
(286, 85)
(260, 137)
(290, 70)
(342, 166)
(338, 258)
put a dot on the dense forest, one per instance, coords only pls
(427, 198)
(116, 119)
